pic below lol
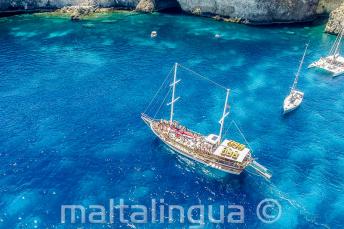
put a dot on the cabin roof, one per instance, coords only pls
(232, 150)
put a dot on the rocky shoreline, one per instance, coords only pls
(77, 13)
(253, 12)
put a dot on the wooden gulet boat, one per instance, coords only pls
(227, 155)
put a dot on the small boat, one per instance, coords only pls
(154, 34)
(212, 150)
(334, 62)
(295, 97)
(292, 101)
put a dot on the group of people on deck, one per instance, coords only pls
(183, 136)
(331, 62)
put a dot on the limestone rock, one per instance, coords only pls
(146, 6)
(326, 6)
(336, 22)
(77, 12)
(57, 4)
(248, 11)
(259, 11)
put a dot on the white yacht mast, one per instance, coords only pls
(299, 70)
(173, 85)
(224, 115)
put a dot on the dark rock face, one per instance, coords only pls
(336, 21)
(37, 4)
(149, 6)
(166, 4)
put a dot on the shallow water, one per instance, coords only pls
(71, 133)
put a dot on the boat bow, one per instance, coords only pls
(148, 120)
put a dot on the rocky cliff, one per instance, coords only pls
(261, 11)
(327, 6)
(336, 22)
(37, 4)
(254, 11)
(148, 6)
(44, 4)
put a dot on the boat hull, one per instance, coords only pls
(291, 103)
(202, 160)
(210, 159)
(198, 160)
(328, 64)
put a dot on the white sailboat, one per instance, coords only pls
(212, 150)
(295, 97)
(334, 62)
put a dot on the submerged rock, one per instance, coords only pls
(109, 21)
(88, 25)
(336, 22)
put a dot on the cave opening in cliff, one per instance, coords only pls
(169, 6)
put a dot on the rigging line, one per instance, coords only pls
(227, 129)
(161, 86)
(162, 102)
(203, 77)
(150, 103)
(333, 46)
(340, 35)
(242, 135)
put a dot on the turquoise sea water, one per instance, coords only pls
(71, 133)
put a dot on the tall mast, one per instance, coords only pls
(299, 70)
(173, 85)
(224, 115)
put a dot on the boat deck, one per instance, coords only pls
(230, 155)
(232, 150)
(332, 64)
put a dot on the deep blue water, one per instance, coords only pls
(71, 133)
